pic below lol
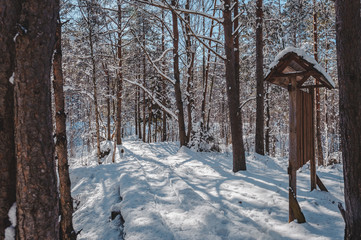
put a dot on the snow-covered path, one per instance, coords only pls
(172, 193)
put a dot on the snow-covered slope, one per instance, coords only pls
(164, 192)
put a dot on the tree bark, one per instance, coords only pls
(178, 94)
(164, 89)
(107, 76)
(136, 110)
(206, 74)
(268, 119)
(138, 107)
(259, 141)
(95, 94)
(317, 105)
(144, 84)
(190, 63)
(66, 202)
(232, 83)
(150, 120)
(348, 42)
(120, 79)
(36, 194)
(9, 11)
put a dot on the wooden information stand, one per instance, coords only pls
(292, 69)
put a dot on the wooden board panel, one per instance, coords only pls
(305, 131)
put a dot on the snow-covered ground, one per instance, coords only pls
(164, 192)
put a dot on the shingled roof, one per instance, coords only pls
(294, 62)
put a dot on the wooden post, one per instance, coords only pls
(320, 184)
(312, 160)
(292, 162)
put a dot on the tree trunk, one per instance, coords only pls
(156, 130)
(66, 202)
(150, 116)
(120, 79)
(259, 142)
(348, 41)
(232, 81)
(9, 11)
(190, 63)
(268, 119)
(136, 110)
(164, 88)
(95, 94)
(205, 87)
(138, 107)
(317, 92)
(144, 84)
(107, 76)
(36, 194)
(177, 90)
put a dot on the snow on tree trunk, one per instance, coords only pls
(232, 83)
(8, 18)
(66, 202)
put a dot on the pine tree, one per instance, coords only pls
(348, 38)
(36, 192)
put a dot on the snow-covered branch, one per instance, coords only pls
(154, 99)
(209, 38)
(246, 101)
(166, 6)
(193, 33)
(151, 60)
(163, 54)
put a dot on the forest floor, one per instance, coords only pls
(164, 192)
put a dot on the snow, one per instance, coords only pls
(16, 36)
(164, 192)
(10, 231)
(11, 79)
(301, 53)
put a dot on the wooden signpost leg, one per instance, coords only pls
(292, 162)
(313, 160)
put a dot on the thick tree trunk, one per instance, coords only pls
(232, 82)
(9, 11)
(177, 89)
(66, 202)
(36, 194)
(259, 142)
(348, 39)
(120, 80)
